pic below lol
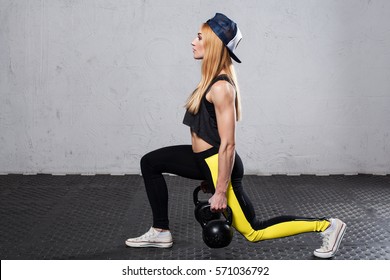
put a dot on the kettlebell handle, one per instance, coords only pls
(229, 215)
(229, 212)
(195, 195)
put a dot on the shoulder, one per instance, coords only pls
(222, 91)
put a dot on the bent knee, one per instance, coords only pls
(252, 235)
(253, 238)
(146, 163)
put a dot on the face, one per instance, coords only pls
(197, 46)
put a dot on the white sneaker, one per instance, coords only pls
(153, 238)
(332, 237)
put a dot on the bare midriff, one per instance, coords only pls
(198, 144)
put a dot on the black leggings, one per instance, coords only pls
(182, 161)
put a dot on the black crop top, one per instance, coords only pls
(204, 123)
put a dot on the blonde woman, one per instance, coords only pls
(212, 112)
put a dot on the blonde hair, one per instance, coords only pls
(216, 58)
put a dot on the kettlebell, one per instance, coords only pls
(216, 229)
(202, 210)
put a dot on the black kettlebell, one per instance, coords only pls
(217, 231)
(202, 210)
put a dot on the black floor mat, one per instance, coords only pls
(90, 217)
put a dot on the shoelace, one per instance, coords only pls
(146, 235)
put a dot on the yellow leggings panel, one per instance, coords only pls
(242, 225)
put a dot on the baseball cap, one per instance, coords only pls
(228, 31)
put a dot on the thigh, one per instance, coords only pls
(178, 160)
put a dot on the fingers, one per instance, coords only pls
(217, 210)
(217, 205)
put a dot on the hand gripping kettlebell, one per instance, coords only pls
(217, 231)
(202, 210)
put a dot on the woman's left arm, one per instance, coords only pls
(223, 98)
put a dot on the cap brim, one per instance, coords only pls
(232, 55)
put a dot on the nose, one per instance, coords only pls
(192, 43)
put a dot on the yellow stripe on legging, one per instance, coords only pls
(241, 224)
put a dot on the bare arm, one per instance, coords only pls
(223, 98)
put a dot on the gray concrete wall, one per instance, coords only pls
(90, 86)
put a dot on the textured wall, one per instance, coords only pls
(90, 86)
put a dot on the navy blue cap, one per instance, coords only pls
(228, 31)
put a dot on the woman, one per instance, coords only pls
(212, 111)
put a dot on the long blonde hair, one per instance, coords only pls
(216, 58)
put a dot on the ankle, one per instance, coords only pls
(331, 226)
(161, 229)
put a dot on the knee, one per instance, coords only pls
(253, 236)
(247, 230)
(249, 234)
(146, 163)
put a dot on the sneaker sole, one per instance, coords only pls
(149, 244)
(337, 244)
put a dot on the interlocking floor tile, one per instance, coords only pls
(90, 217)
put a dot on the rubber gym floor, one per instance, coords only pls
(89, 217)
